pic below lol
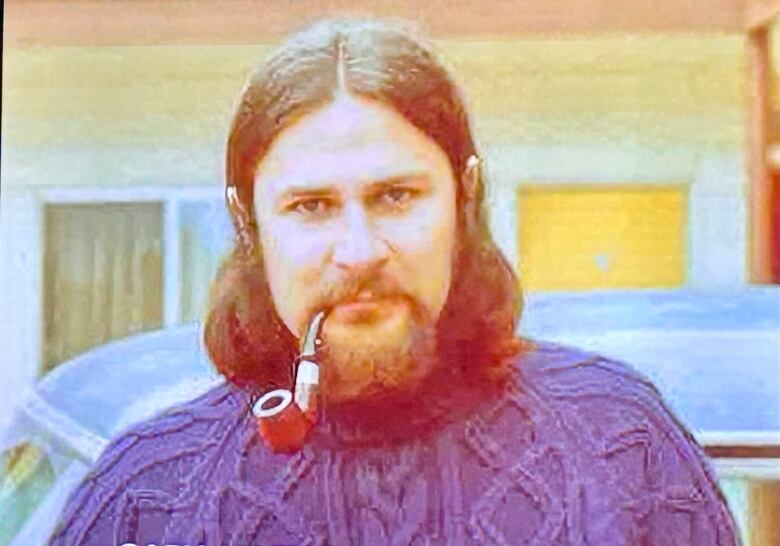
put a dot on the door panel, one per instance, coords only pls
(588, 237)
(102, 275)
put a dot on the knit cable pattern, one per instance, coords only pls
(578, 449)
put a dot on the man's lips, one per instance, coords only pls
(364, 307)
(365, 296)
(357, 305)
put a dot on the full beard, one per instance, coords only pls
(372, 359)
(387, 383)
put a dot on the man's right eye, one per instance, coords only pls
(313, 207)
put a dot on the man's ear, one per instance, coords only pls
(472, 188)
(245, 226)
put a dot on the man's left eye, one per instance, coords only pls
(396, 197)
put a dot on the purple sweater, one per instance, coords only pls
(577, 449)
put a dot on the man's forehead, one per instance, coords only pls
(349, 168)
(347, 142)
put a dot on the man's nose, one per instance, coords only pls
(359, 248)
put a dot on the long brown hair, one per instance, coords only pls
(245, 337)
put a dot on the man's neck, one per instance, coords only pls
(447, 394)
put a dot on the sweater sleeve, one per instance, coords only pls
(654, 486)
(100, 510)
(686, 507)
(680, 502)
(138, 483)
(110, 506)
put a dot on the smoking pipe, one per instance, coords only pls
(285, 418)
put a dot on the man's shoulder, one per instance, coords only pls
(575, 420)
(602, 398)
(567, 372)
(607, 409)
(189, 430)
(182, 422)
(154, 460)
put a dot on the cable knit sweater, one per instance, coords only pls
(577, 449)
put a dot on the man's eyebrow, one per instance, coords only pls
(327, 190)
(305, 191)
(418, 178)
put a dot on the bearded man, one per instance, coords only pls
(355, 187)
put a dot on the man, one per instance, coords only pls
(355, 187)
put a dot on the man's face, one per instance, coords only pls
(356, 211)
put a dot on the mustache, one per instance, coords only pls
(347, 289)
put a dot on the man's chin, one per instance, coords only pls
(381, 352)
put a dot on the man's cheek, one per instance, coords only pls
(308, 251)
(431, 245)
(418, 228)
(425, 277)
(297, 246)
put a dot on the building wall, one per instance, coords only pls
(614, 109)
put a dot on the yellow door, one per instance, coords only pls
(605, 236)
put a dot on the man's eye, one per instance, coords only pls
(312, 207)
(396, 197)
